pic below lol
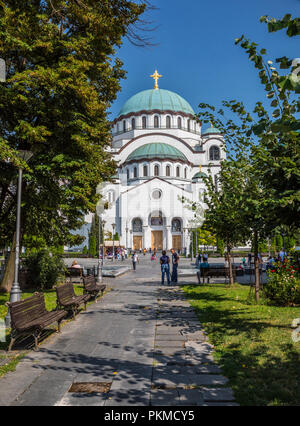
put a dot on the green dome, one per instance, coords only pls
(199, 175)
(211, 130)
(156, 150)
(160, 99)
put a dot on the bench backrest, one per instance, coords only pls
(75, 272)
(65, 292)
(89, 281)
(27, 310)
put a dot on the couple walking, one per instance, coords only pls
(165, 267)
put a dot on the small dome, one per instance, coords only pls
(156, 99)
(211, 131)
(199, 175)
(159, 151)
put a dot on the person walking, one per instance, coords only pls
(175, 262)
(165, 267)
(249, 259)
(205, 257)
(135, 259)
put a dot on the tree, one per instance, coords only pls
(62, 75)
(92, 246)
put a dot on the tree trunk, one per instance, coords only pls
(256, 266)
(230, 265)
(9, 273)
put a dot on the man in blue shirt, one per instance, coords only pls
(165, 267)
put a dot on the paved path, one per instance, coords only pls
(141, 339)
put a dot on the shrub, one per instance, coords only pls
(283, 286)
(44, 268)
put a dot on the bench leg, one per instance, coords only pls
(12, 341)
(36, 336)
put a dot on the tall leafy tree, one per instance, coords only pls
(62, 75)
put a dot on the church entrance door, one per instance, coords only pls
(137, 242)
(157, 240)
(176, 242)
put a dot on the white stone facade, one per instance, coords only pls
(158, 153)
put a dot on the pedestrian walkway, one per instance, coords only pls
(140, 345)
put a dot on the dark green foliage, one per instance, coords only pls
(220, 246)
(92, 246)
(62, 76)
(45, 268)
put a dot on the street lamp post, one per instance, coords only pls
(103, 248)
(192, 245)
(15, 293)
(100, 264)
(113, 238)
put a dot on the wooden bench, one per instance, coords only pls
(212, 271)
(75, 273)
(30, 317)
(67, 299)
(91, 287)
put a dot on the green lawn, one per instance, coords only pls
(253, 344)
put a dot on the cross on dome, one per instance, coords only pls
(156, 76)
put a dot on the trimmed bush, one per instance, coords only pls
(44, 269)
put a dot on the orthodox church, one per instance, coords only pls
(162, 156)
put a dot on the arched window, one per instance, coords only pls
(156, 122)
(135, 173)
(133, 124)
(189, 125)
(144, 122)
(168, 122)
(185, 173)
(124, 126)
(179, 122)
(177, 171)
(137, 225)
(168, 171)
(145, 171)
(176, 225)
(214, 153)
(156, 170)
(127, 172)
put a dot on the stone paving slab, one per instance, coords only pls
(164, 397)
(191, 397)
(217, 395)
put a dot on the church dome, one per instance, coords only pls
(160, 151)
(199, 175)
(156, 99)
(211, 131)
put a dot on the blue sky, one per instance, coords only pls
(196, 54)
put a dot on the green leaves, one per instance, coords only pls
(62, 77)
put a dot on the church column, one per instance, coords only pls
(145, 237)
(127, 229)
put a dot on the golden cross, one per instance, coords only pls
(156, 76)
(200, 167)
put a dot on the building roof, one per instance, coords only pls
(211, 130)
(199, 175)
(156, 151)
(156, 99)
